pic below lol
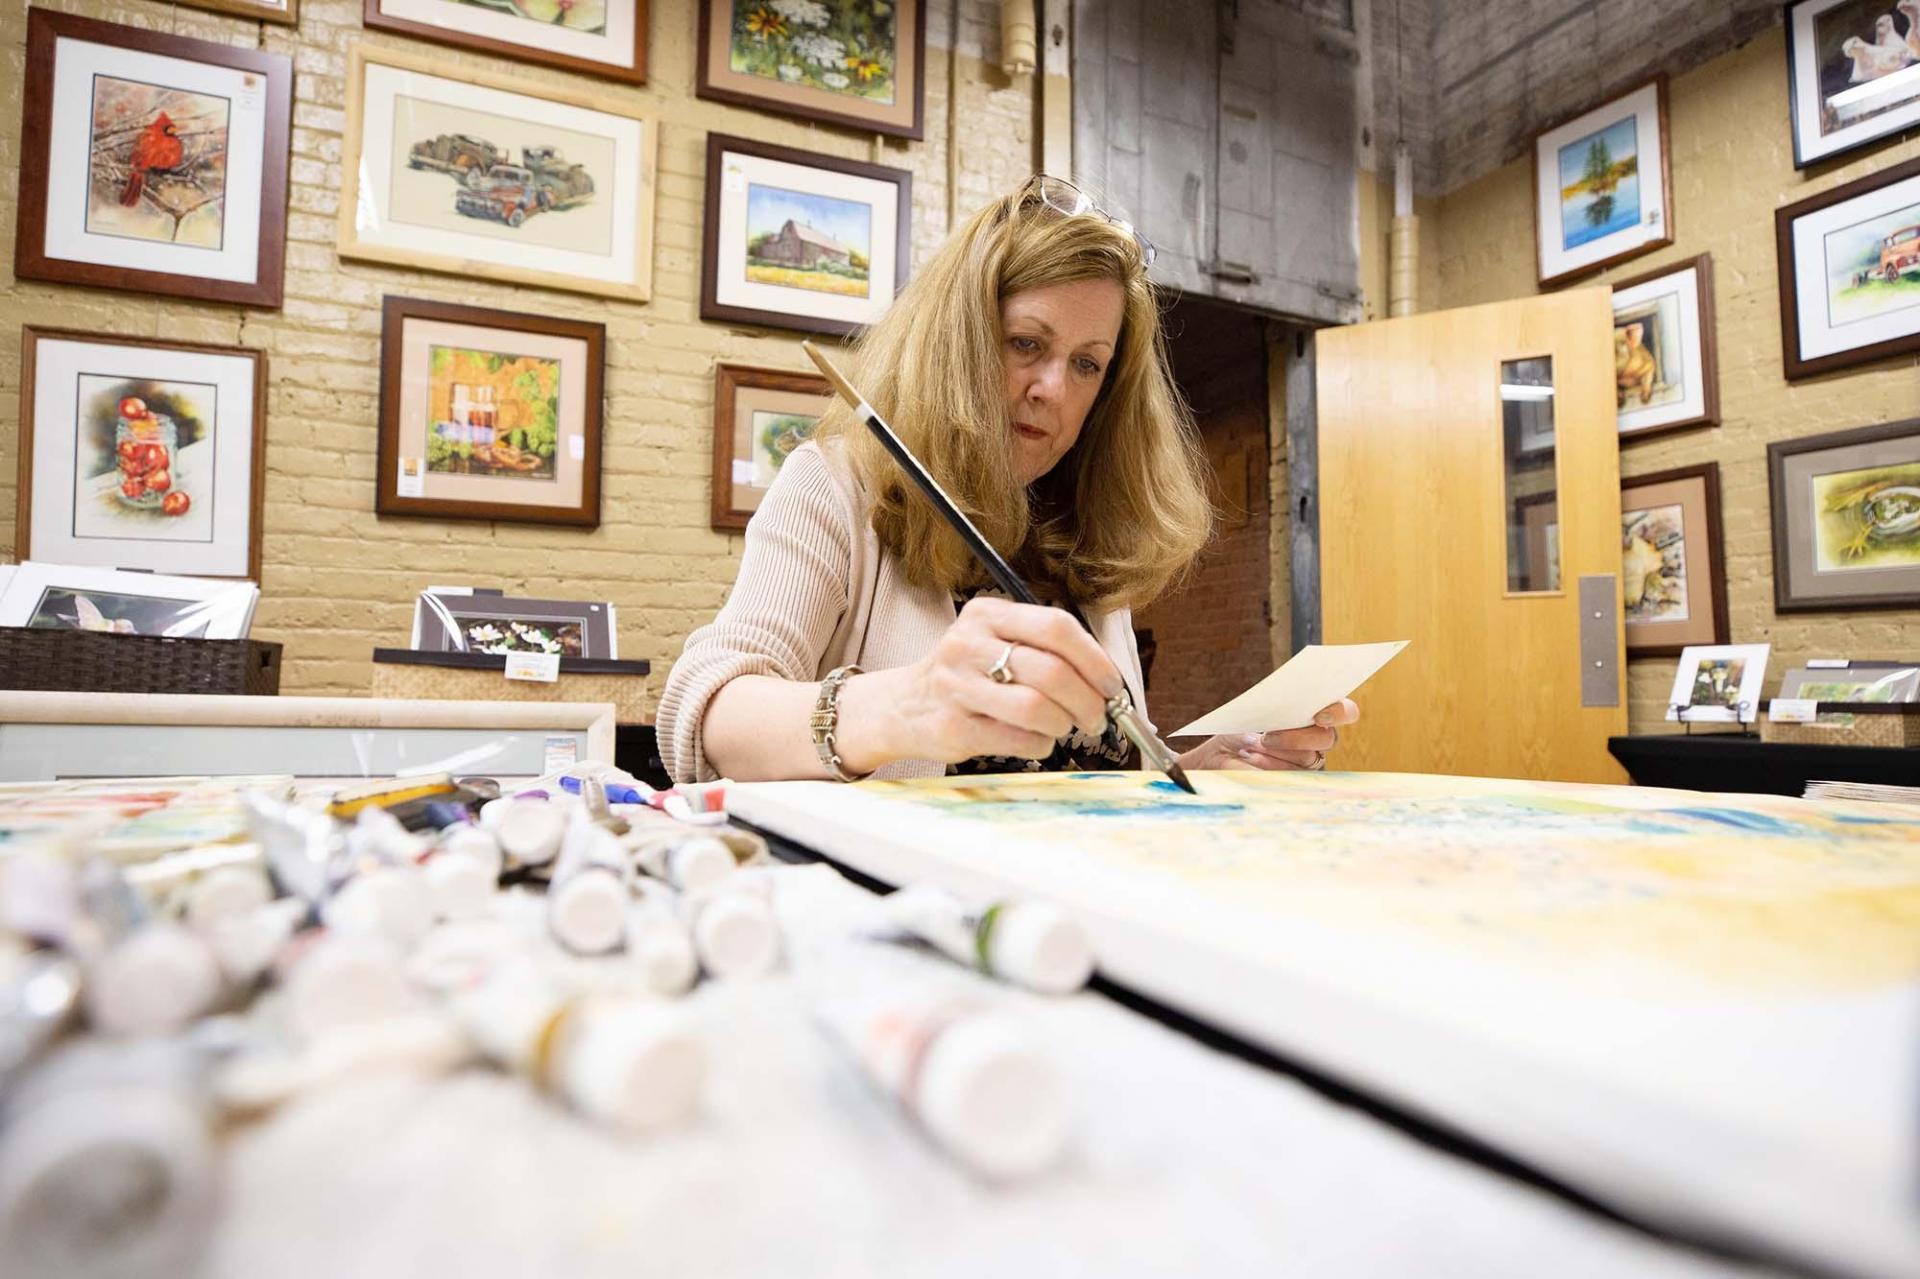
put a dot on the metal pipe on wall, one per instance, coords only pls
(1403, 254)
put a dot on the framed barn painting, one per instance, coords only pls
(796, 240)
(496, 178)
(1853, 74)
(489, 414)
(1666, 377)
(1603, 192)
(152, 163)
(1846, 519)
(759, 417)
(858, 63)
(1849, 262)
(1673, 573)
(605, 38)
(137, 453)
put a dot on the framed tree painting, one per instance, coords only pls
(152, 162)
(1602, 186)
(759, 417)
(1849, 263)
(1673, 573)
(600, 37)
(138, 453)
(1666, 377)
(496, 178)
(1846, 519)
(796, 240)
(1853, 74)
(490, 415)
(285, 12)
(859, 63)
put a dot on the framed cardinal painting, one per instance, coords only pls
(152, 162)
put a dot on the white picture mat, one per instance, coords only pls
(1807, 97)
(1644, 103)
(1685, 286)
(1751, 678)
(373, 226)
(1810, 283)
(59, 364)
(75, 63)
(1786, 1120)
(614, 46)
(225, 607)
(732, 288)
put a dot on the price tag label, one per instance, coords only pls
(1793, 710)
(543, 668)
(562, 753)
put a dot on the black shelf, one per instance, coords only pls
(1743, 764)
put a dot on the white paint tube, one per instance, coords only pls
(144, 976)
(1029, 943)
(969, 1077)
(387, 901)
(420, 1044)
(733, 927)
(204, 885)
(529, 830)
(690, 863)
(659, 946)
(463, 872)
(588, 899)
(335, 981)
(39, 995)
(246, 945)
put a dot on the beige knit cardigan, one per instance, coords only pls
(815, 591)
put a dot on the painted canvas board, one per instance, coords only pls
(1617, 984)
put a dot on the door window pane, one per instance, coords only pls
(1533, 507)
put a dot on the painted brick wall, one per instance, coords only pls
(1732, 166)
(337, 581)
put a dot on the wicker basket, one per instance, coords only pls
(1841, 724)
(99, 662)
(462, 677)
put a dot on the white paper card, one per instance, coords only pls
(1315, 677)
(1793, 710)
(561, 753)
(543, 668)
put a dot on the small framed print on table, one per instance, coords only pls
(1719, 683)
(1849, 264)
(858, 63)
(490, 415)
(1852, 78)
(496, 178)
(1665, 375)
(1673, 573)
(759, 417)
(600, 37)
(1846, 519)
(153, 162)
(65, 597)
(796, 240)
(489, 622)
(1602, 188)
(137, 453)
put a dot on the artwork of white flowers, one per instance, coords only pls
(847, 61)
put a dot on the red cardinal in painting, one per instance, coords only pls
(157, 147)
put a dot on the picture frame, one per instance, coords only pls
(284, 12)
(139, 453)
(184, 145)
(580, 628)
(1673, 562)
(757, 416)
(1718, 683)
(853, 63)
(489, 415)
(542, 31)
(1849, 262)
(1603, 186)
(837, 232)
(1858, 683)
(1537, 516)
(1846, 519)
(73, 597)
(509, 180)
(1666, 368)
(1844, 92)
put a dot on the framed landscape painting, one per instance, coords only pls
(1666, 377)
(1853, 74)
(496, 178)
(489, 414)
(1673, 573)
(600, 37)
(796, 240)
(859, 63)
(152, 163)
(1846, 519)
(1849, 262)
(759, 417)
(1602, 187)
(137, 453)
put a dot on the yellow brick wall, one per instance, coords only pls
(1732, 167)
(337, 581)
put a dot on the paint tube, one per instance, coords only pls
(334, 981)
(463, 872)
(634, 1064)
(246, 945)
(969, 1077)
(304, 849)
(690, 863)
(420, 1043)
(107, 1163)
(1030, 943)
(144, 976)
(204, 885)
(39, 995)
(529, 830)
(733, 927)
(588, 898)
(659, 946)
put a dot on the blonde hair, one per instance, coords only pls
(1122, 515)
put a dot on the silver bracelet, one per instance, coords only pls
(825, 723)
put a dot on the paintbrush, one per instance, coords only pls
(1120, 706)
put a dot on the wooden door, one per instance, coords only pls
(1446, 493)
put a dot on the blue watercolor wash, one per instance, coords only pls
(1759, 823)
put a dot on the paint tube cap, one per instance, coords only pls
(391, 901)
(587, 912)
(1041, 947)
(634, 1065)
(989, 1097)
(529, 831)
(226, 891)
(700, 862)
(658, 946)
(460, 883)
(153, 982)
(245, 944)
(735, 935)
(346, 980)
(475, 841)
